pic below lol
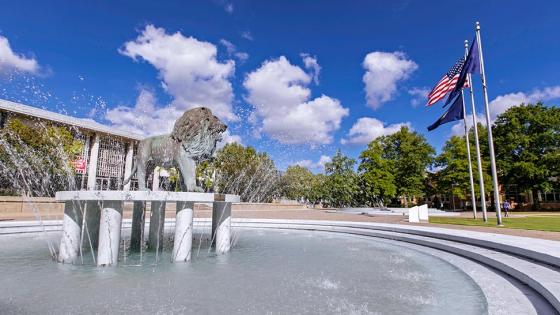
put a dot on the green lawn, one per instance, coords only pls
(540, 223)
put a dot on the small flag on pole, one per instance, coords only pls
(453, 113)
(447, 83)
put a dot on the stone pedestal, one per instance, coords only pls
(182, 244)
(110, 233)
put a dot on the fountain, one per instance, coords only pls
(193, 138)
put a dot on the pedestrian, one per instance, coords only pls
(506, 206)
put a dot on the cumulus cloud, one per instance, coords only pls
(279, 93)
(419, 95)
(311, 64)
(145, 117)
(383, 71)
(367, 129)
(503, 102)
(232, 50)
(9, 60)
(316, 166)
(189, 69)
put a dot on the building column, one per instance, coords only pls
(92, 163)
(128, 164)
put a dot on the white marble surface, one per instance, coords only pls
(143, 196)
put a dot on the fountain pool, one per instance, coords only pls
(269, 272)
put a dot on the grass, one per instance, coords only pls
(539, 223)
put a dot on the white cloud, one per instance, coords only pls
(232, 50)
(247, 35)
(9, 60)
(316, 166)
(503, 102)
(367, 129)
(279, 94)
(383, 71)
(312, 65)
(188, 68)
(419, 95)
(145, 117)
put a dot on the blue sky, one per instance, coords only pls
(289, 77)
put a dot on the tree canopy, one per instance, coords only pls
(527, 145)
(376, 178)
(244, 171)
(341, 181)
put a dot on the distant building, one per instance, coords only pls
(107, 156)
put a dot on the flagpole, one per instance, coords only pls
(478, 159)
(473, 197)
(489, 127)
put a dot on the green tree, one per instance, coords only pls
(318, 191)
(376, 179)
(527, 143)
(341, 181)
(409, 155)
(453, 177)
(243, 171)
(36, 159)
(296, 182)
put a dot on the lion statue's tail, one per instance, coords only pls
(134, 169)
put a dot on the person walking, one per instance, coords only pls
(506, 207)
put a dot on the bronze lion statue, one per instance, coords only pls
(193, 138)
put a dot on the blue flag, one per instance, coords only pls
(472, 65)
(455, 112)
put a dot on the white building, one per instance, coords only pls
(108, 153)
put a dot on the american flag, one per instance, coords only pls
(447, 83)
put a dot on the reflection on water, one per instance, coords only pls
(268, 272)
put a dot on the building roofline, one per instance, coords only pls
(64, 119)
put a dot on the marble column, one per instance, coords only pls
(221, 226)
(182, 244)
(71, 232)
(110, 233)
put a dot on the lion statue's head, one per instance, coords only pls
(198, 132)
